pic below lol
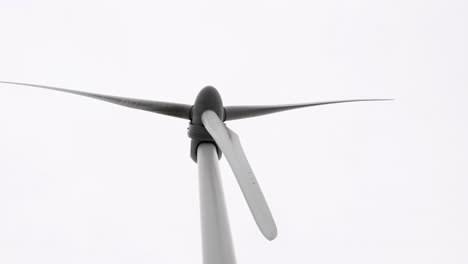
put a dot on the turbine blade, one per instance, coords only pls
(229, 143)
(239, 112)
(164, 108)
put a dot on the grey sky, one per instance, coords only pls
(82, 181)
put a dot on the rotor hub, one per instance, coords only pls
(207, 99)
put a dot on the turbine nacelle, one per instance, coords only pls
(208, 99)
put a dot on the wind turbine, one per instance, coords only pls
(210, 138)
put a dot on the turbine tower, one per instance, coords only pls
(210, 139)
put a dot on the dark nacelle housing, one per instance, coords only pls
(208, 99)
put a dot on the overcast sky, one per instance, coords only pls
(83, 181)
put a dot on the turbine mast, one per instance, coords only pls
(216, 233)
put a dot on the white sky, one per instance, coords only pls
(82, 181)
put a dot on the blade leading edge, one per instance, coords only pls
(164, 108)
(239, 112)
(229, 143)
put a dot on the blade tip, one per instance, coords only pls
(271, 234)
